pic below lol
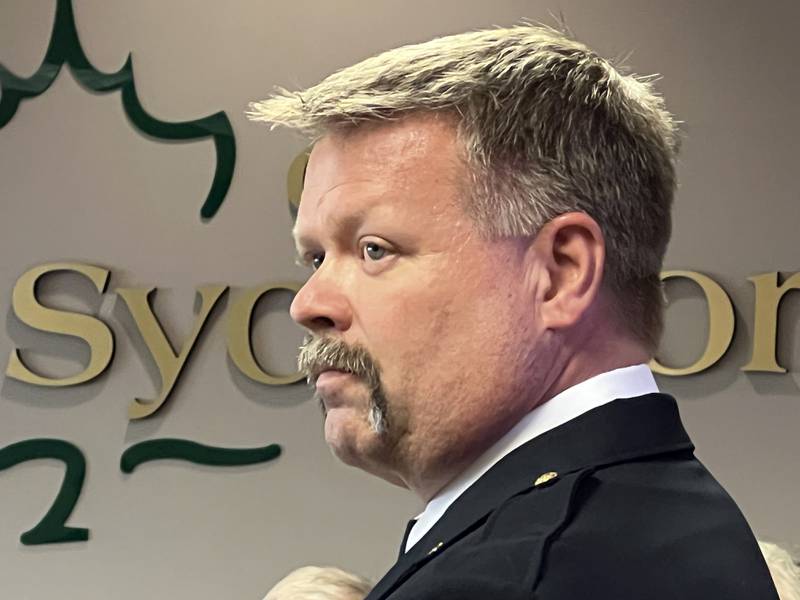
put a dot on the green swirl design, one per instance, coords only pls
(170, 448)
(52, 529)
(65, 48)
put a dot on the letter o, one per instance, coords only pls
(721, 324)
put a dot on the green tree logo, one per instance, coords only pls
(65, 49)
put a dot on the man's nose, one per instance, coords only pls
(321, 306)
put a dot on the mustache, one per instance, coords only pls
(318, 354)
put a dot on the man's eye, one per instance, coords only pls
(316, 260)
(373, 251)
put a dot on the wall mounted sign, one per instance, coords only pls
(98, 335)
(769, 292)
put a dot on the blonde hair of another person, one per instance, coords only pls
(320, 583)
(785, 572)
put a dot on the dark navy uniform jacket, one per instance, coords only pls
(612, 504)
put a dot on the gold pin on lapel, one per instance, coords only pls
(435, 548)
(545, 478)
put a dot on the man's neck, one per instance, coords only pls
(583, 359)
(592, 357)
(636, 380)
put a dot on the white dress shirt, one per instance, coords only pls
(627, 382)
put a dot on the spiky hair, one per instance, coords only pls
(547, 126)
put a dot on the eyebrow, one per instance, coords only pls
(342, 227)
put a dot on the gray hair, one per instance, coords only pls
(547, 127)
(320, 583)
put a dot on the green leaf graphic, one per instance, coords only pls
(65, 48)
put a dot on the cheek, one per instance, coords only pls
(440, 356)
(476, 341)
(442, 331)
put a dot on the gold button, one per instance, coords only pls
(544, 478)
(435, 548)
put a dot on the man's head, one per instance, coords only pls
(320, 583)
(481, 211)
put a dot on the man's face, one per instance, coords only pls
(436, 325)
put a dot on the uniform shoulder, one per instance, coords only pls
(656, 528)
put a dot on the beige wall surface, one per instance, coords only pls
(78, 183)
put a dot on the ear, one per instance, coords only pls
(570, 252)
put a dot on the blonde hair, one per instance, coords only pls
(785, 572)
(320, 583)
(547, 126)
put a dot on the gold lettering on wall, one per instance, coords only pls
(769, 293)
(768, 299)
(720, 324)
(240, 347)
(169, 364)
(90, 329)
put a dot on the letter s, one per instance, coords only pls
(90, 329)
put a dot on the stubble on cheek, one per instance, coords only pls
(459, 367)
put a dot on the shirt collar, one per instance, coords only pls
(627, 382)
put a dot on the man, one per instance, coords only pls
(319, 583)
(486, 216)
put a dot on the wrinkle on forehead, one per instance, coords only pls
(415, 158)
(333, 211)
(322, 198)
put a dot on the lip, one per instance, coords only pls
(332, 377)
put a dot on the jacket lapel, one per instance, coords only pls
(620, 431)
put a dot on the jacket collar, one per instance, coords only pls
(620, 431)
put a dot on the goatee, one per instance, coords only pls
(318, 354)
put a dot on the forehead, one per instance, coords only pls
(413, 161)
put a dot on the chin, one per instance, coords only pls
(346, 454)
(354, 442)
(346, 436)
